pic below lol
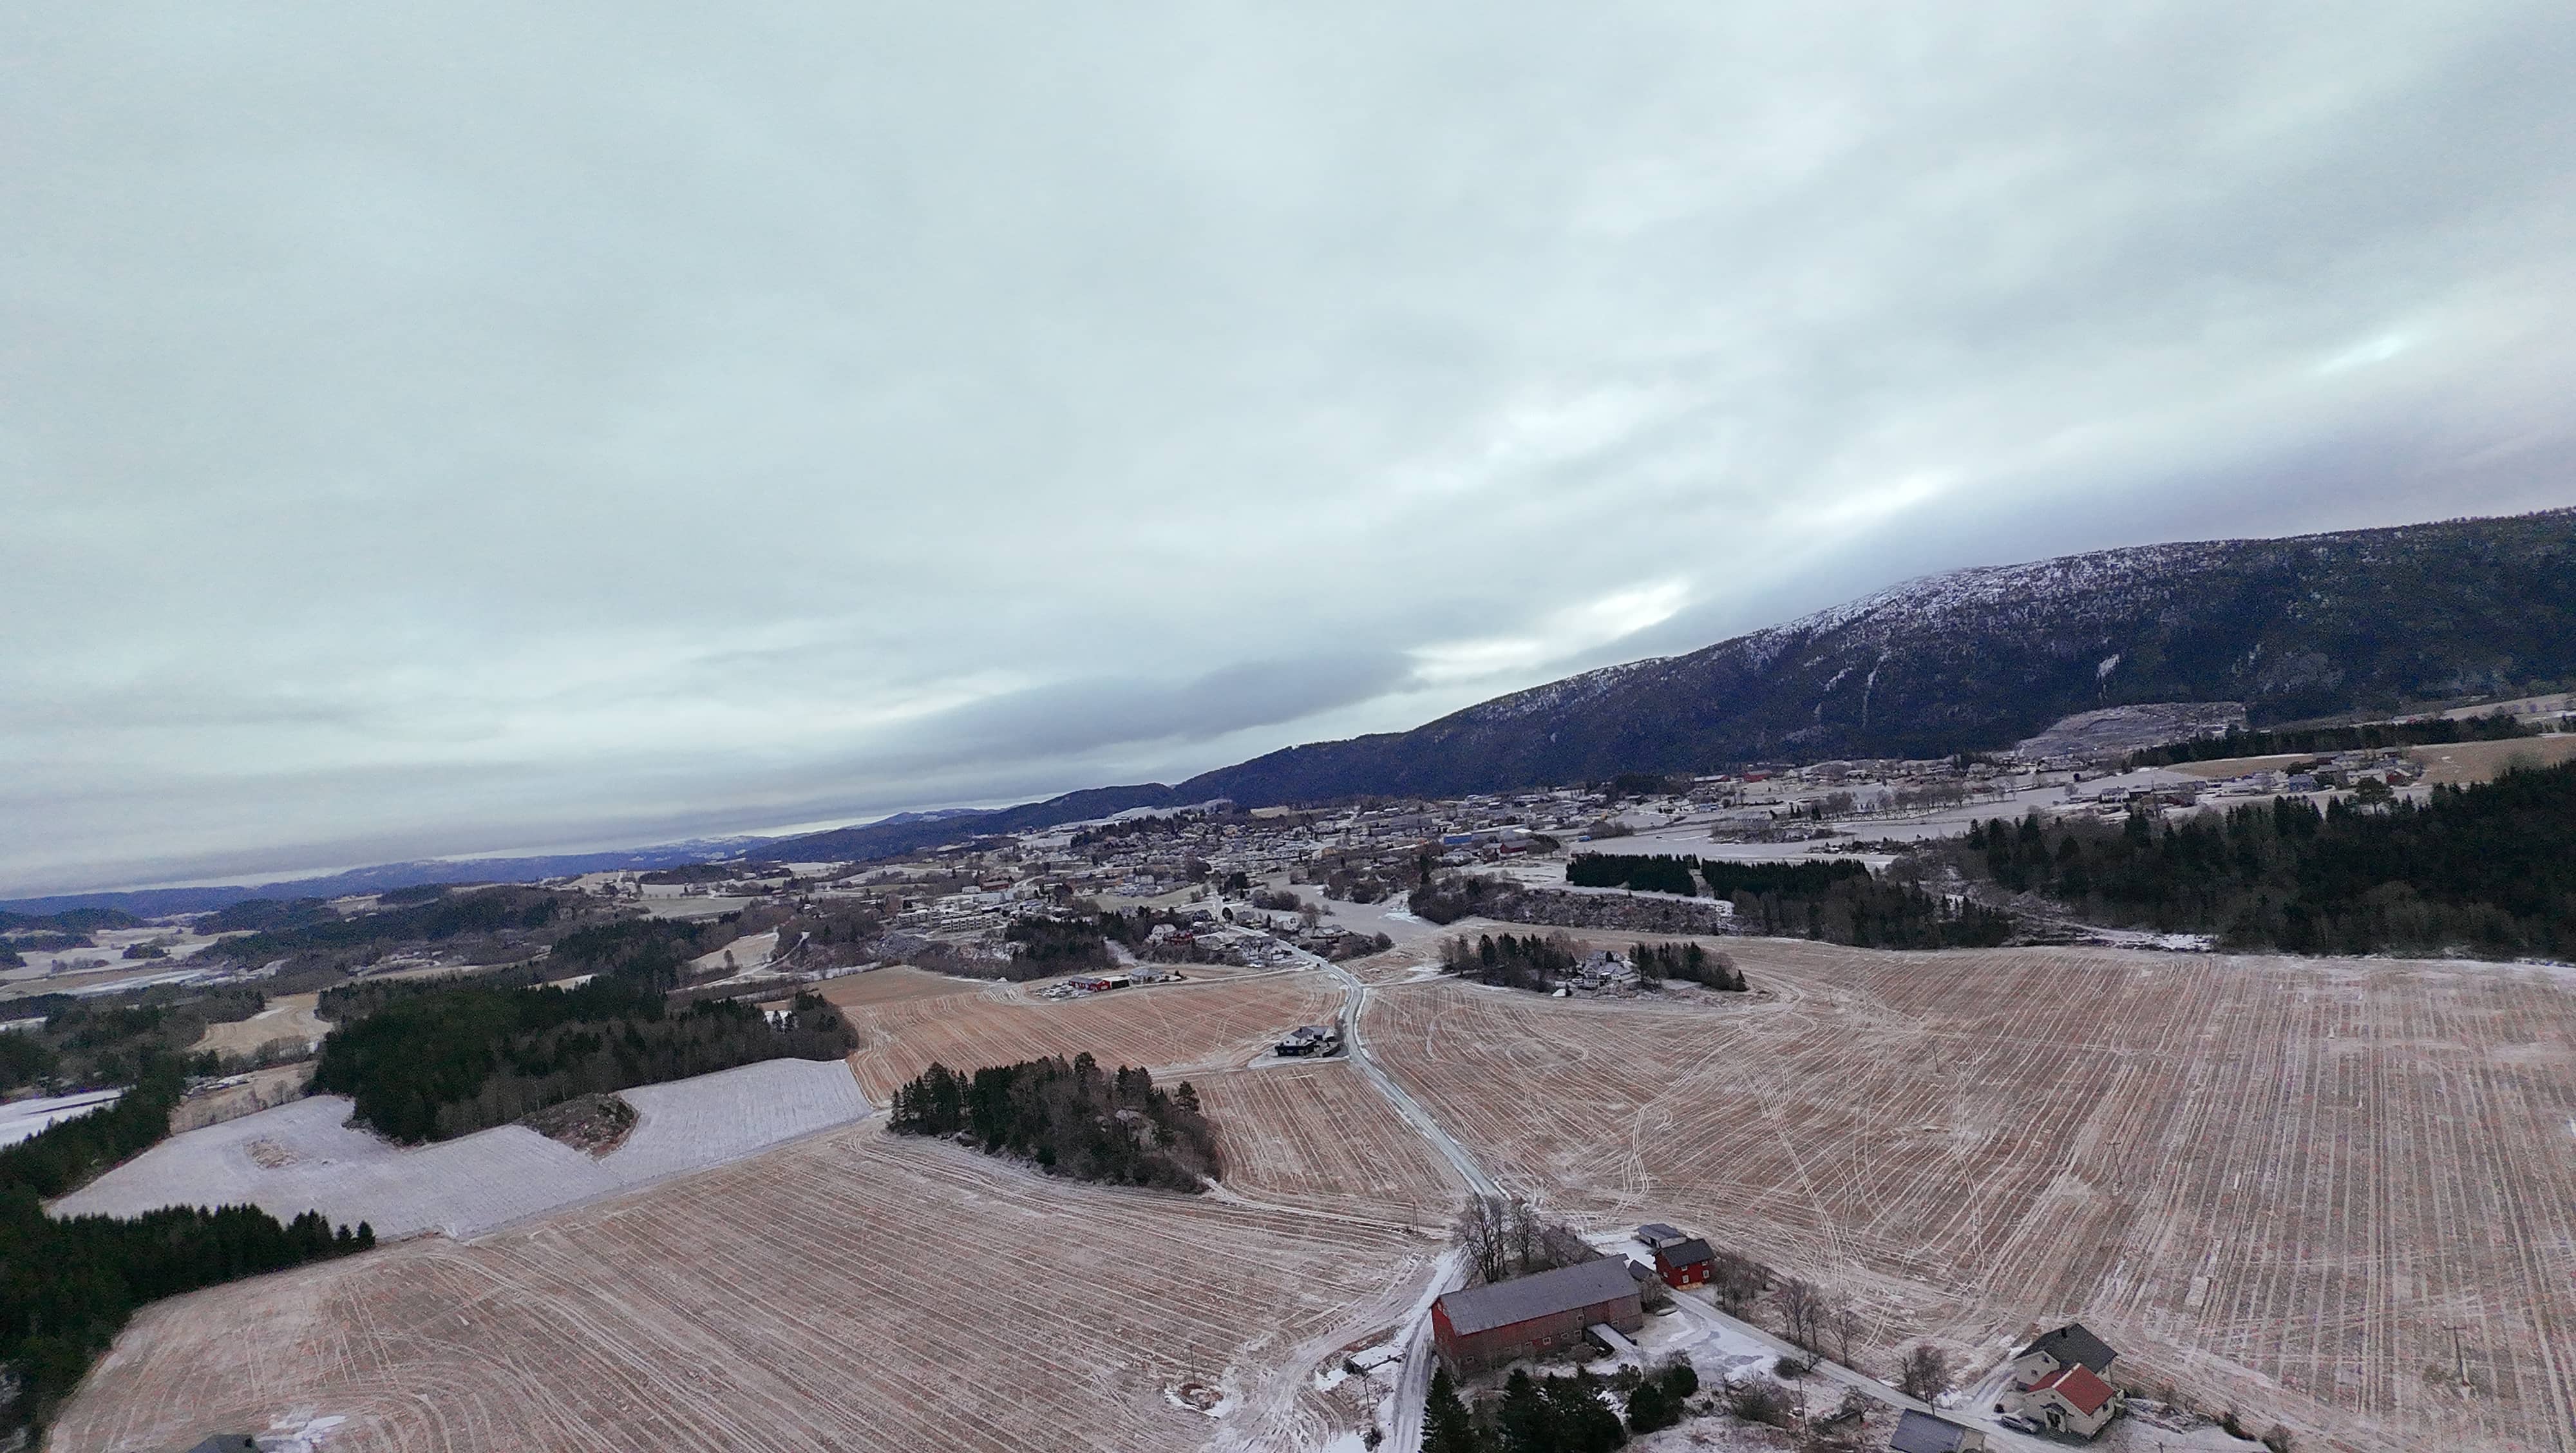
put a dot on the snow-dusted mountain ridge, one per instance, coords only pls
(1979, 658)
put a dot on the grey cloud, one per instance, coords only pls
(484, 426)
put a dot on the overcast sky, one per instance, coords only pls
(450, 428)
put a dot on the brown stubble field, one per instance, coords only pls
(1320, 1136)
(2275, 1182)
(853, 1291)
(1198, 1024)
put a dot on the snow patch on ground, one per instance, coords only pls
(305, 1156)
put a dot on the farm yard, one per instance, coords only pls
(1198, 1024)
(849, 1291)
(2276, 1181)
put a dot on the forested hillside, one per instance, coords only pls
(1978, 659)
(2488, 870)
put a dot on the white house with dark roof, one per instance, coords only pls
(2062, 1382)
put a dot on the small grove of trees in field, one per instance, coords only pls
(2490, 869)
(446, 1061)
(1688, 962)
(1458, 895)
(1071, 1118)
(68, 1286)
(1517, 961)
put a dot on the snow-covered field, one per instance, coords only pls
(304, 1156)
(22, 1118)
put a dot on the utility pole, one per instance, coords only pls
(2459, 1351)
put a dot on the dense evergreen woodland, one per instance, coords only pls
(2494, 728)
(1659, 873)
(1044, 946)
(2488, 869)
(441, 1062)
(1071, 1118)
(66, 1287)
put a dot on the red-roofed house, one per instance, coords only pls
(2069, 1400)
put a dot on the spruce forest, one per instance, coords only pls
(441, 1062)
(1071, 1118)
(68, 1286)
(2483, 869)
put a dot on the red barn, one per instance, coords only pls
(1685, 1263)
(1487, 1326)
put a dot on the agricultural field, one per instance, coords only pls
(289, 1017)
(893, 985)
(851, 1291)
(1320, 1135)
(2462, 763)
(1197, 1024)
(305, 1156)
(2275, 1183)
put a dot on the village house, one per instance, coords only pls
(1685, 1263)
(2061, 1382)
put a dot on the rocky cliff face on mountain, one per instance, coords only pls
(1980, 658)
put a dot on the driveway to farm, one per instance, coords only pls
(1414, 1389)
(1405, 1436)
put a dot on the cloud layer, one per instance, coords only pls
(466, 427)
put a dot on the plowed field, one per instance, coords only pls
(853, 1291)
(2276, 1182)
(1190, 1025)
(1320, 1135)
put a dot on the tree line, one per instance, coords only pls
(452, 1060)
(2493, 727)
(1656, 873)
(1867, 912)
(2487, 868)
(68, 1286)
(1071, 1118)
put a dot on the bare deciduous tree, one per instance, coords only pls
(1925, 1373)
(1802, 1306)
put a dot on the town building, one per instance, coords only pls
(1484, 1327)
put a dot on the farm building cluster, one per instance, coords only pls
(1310, 1041)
